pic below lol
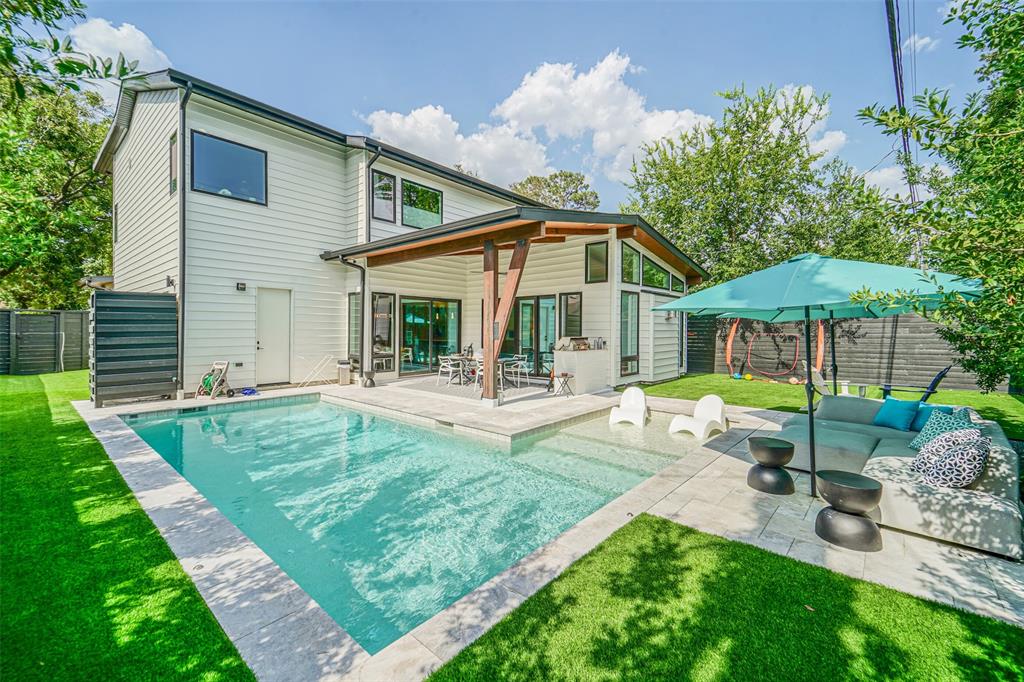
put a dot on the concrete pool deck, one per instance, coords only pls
(282, 633)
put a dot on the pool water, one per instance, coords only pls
(383, 523)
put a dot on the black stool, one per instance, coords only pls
(768, 475)
(845, 523)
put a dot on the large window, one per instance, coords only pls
(655, 275)
(355, 325)
(172, 162)
(383, 332)
(430, 328)
(630, 264)
(571, 314)
(383, 196)
(597, 262)
(228, 169)
(678, 285)
(629, 333)
(421, 205)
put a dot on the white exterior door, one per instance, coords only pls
(273, 335)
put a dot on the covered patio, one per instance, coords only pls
(516, 231)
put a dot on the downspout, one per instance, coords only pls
(181, 239)
(362, 312)
(369, 193)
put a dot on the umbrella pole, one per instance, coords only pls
(809, 390)
(832, 340)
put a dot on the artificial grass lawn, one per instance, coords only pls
(89, 589)
(658, 600)
(1004, 408)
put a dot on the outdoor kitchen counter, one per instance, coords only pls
(589, 367)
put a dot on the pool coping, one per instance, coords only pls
(278, 629)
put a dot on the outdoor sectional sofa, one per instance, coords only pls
(986, 515)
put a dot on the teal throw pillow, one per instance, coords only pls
(925, 411)
(940, 423)
(897, 414)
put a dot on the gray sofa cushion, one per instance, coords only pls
(880, 432)
(848, 408)
(893, 447)
(834, 449)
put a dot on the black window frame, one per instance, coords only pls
(388, 357)
(672, 284)
(629, 358)
(643, 281)
(639, 265)
(440, 204)
(394, 199)
(587, 279)
(172, 162)
(357, 352)
(563, 299)
(192, 169)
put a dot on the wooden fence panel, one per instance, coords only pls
(133, 345)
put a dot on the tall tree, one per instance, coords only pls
(54, 209)
(750, 191)
(973, 222)
(29, 60)
(561, 189)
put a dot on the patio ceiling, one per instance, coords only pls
(506, 227)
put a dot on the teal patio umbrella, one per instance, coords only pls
(812, 287)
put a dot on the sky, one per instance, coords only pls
(508, 89)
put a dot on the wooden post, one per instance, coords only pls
(490, 387)
(509, 291)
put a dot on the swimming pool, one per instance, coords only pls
(383, 523)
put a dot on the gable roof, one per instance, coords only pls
(172, 78)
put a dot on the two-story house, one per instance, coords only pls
(289, 244)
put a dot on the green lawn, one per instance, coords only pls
(89, 588)
(1004, 408)
(658, 601)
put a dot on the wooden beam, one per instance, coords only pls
(508, 294)
(626, 231)
(416, 252)
(570, 231)
(509, 247)
(489, 368)
(548, 240)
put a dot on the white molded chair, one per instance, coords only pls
(632, 408)
(708, 416)
(447, 365)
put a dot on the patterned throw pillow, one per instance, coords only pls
(960, 466)
(940, 423)
(937, 447)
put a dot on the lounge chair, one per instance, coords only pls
(928, 390)
(708, 416)
(632, 408)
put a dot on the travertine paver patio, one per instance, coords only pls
(283, 634)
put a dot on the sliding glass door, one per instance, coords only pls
(430, 329)
(532, 332)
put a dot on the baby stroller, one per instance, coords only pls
(215, 381)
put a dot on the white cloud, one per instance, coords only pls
(101, 38)
(498, 153)
(566, 102)
(919, 43)
(892, 180)
(948, 6)
(819, 138)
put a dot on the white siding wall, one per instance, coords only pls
(146, 250)
(310, 208)
(457, 201)
(664, 346)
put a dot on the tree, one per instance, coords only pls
(47, 64)
(54, 209)
(972, 224)
(748, 192)
(561, 189)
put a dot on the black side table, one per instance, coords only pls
(768, 475)
(845, 523)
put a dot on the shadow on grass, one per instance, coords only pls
(90, 589)
(661, 601)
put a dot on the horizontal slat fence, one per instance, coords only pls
(902, 350)
(38, 341)
(134, 345)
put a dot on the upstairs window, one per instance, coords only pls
(630, 264)
(597, 262)
(655, 275)
(383, 196)
(421, 205)
(678, 285)
(172, 162)
(228, 169)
